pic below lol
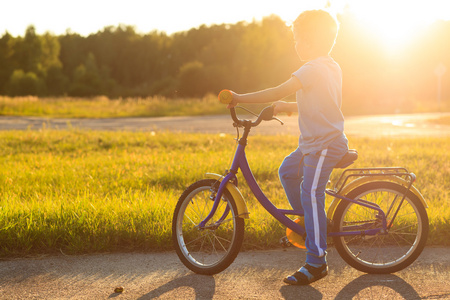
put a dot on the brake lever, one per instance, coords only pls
(247, 110)
(275, 118)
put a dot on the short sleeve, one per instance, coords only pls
(306, 75)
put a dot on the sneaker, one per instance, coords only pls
(307, 274)
(294, 238)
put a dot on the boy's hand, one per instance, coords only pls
(281, 107)
(228, 97)
(234, 100)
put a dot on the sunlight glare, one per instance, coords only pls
(395, 22)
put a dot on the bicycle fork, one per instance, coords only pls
(218, 196)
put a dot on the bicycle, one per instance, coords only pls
(377, 219)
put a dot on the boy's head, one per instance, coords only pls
(315, 30)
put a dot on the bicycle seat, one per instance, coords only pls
(348, 159)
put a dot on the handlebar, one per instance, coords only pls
(265, 115)
(226, 97)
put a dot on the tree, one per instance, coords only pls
(56, 82)
(86, 79)
(28, 52)
(23, 84)
(192, 79)
(6, 61)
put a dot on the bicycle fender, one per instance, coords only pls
(360, 181)
(235, 193)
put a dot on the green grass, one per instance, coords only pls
(157, 106)
(81, 191)
(102, 107)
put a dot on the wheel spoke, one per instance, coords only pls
(402, 238)
(190, 220)
(402, 228)
(218, 241)
(402, 233)
(193, 241)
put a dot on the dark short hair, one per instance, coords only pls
(317, 27)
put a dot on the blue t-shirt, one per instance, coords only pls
(319, 104)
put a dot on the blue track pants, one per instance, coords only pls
(304, 179)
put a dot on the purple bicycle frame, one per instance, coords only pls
(240, 162)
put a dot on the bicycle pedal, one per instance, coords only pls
(284, 242)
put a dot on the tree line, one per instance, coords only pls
(120, 62)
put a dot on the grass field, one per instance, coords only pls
(87, 191)
(102, 107)
(157, 106)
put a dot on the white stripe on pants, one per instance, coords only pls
(323, 154)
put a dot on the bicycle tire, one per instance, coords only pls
(382, 253)
(206, 251)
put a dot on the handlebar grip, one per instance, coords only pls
(225, 97)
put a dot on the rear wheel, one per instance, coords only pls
(381, 253)
(212, 249)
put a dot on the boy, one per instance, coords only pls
(305, 172)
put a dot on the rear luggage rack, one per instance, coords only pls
(373, 172)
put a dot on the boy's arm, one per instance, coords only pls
(284, 107)
(268, 95)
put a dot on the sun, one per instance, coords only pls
(395, 23)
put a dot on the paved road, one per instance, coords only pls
(408, 125)
(254, 275)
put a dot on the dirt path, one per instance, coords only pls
(364, 126)
(254, 275)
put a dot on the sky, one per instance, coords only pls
(86, 17)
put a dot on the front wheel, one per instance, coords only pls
(381, 253)
(212, 249)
